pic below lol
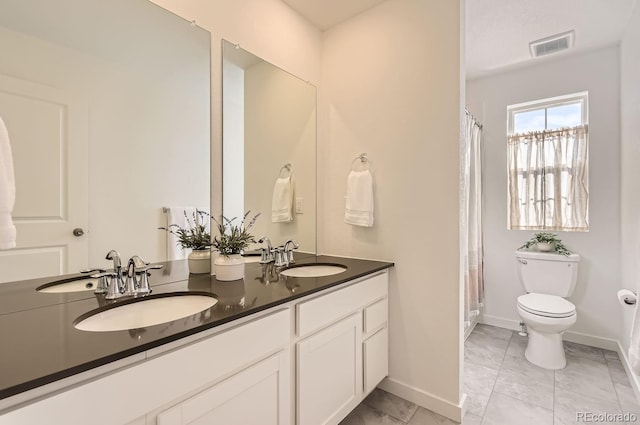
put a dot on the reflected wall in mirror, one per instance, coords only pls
(269, 120)
(107, 106)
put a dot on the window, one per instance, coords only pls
(548, 164)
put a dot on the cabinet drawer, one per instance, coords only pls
(326, 309)
(376, 359)
(375, 316)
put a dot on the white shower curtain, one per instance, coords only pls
(471, 221)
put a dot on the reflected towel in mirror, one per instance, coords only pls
(7, 191)
(282, 201)
(359, 208)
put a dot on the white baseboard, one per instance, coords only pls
(580, 338)
(593, 341)
(500, 322)
(425, 399)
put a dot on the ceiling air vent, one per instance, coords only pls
(553, 44)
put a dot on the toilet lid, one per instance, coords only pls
(546, 305)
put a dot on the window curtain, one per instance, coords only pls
(548, 180)
(471, 220)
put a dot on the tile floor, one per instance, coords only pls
(504, 389)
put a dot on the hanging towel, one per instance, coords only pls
(176, 215)
(359, 210)
(634, 346)
(7, 191)
(282, 200)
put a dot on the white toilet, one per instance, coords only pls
(547, 278)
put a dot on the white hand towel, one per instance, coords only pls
(282, 200)
(7, 191)
(634, 346)
(359, 209)
(176, 215)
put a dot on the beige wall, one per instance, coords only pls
(630, 158)
(391, 88)
(389, 85)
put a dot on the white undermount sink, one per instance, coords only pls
(143, 312)
(82, 283)
(313, 270)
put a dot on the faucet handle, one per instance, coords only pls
(279, 259)
(143, 283)
(101, 287)
(94, 270)
(143, 286)
(115, 287)
(266, 256)
(289, 246)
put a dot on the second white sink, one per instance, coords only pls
(144, 312)
(314, 270)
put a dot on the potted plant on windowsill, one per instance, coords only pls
(232, 239)
(546, 242)
(195, 236)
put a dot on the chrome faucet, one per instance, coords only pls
(288, 252)
(115, 288)
(267, 253)
(132, 284)
(137, 279)
(117, 264)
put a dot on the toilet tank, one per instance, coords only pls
(547, 273)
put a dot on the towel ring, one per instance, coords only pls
(361, 159)
(286, 168)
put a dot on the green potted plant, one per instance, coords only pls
(229, 242)
(195, 236)
(546, 242)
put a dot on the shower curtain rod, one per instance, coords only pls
(475, 120)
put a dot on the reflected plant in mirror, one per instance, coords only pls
(195, 235)
(269, 147)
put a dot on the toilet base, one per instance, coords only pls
(546, 350)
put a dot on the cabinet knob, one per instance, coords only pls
(77, 232)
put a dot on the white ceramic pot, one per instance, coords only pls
(199, 261)
(229, 268)
(544, 246)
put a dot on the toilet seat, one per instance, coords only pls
(546, 305)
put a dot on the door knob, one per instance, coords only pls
(77, 232)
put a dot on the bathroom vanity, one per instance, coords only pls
(273, 350)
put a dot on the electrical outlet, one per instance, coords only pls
(299, 205)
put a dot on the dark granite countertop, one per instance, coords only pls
(40, 344)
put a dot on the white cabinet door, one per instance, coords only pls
(258, 395)
(329, 375)
(376, 359)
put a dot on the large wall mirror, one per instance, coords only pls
(107, 105)
(269, 148)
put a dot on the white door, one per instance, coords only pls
(329, 376)
(48, 129)
(259, 395)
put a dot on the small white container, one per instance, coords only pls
(544, 246)
(230, 267)
(199, 261)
